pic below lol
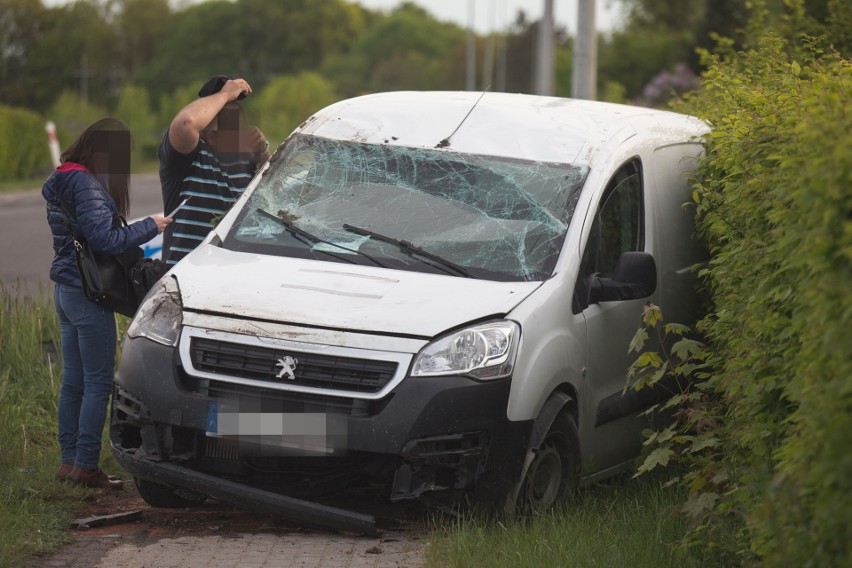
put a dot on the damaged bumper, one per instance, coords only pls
(246, 496)
(428, 434)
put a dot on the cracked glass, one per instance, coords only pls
(424, 210)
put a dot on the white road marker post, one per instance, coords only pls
(53, 142)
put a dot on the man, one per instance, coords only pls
(208, 157)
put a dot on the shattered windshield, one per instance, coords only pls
(423, 210)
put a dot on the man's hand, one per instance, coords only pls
(234, 88)
(256, 141)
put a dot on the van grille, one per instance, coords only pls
(312, 370)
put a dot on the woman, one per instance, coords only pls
(91, 184)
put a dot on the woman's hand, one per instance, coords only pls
(161, 222)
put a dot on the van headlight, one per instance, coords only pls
(485, 351)
(159, 317)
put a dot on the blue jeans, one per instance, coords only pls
(88, 355)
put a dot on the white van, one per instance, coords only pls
(432, 290)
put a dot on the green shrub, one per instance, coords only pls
(23, 144)
(286, 101)
(134, 108)
(774, 204)
(72, 116)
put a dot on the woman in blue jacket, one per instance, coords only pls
(92, 182)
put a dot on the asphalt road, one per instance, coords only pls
(26, 249)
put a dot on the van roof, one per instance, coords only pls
(528, 127)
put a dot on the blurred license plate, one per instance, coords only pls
(311, 432)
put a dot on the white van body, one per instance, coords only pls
(185, 413)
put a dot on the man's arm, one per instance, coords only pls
(187, 125)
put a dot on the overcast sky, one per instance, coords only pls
(497, 14)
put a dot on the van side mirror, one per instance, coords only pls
(634, 277)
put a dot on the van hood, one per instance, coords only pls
(338, 296)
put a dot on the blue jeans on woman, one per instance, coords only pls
(88, 354)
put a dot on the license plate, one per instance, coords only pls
(302, 432)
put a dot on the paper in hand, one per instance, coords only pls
(178, 208)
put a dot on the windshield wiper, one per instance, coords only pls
(306, 236)
(411, 250)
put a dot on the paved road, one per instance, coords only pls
(216, 535)
(26, 250)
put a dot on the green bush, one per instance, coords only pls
(286, 101)
(134, 108)
(774, 204)
(72, 116)
(23, 144)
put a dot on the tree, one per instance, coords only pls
(22, 25)
(76, 51)
(288, 36)
(407, 49)
(201, 41)
(141, 26)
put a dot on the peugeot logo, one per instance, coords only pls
(288, 366)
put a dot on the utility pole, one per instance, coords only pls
(545, 60)
(585, 75)
(490, 47)
(470, 71)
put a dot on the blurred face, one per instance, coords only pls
(230, 133)
(111, 153)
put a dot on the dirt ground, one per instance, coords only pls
(218, 535)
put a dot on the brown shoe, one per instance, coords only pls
(63, 471)
(93, 478)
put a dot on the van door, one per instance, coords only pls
(608, 433)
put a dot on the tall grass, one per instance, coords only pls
(35, 510)
(626, 522)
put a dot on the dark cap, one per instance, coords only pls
(215, 84)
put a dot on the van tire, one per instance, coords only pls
(158, 495)
(552, 473)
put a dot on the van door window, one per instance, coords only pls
(618, 227)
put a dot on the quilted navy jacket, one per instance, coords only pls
(95, 211)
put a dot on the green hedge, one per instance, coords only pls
(774, 198)
(23, 144)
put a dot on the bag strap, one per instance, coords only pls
(68, 212)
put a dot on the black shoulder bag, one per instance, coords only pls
(106, 279)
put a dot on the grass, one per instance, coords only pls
(28, 184)
(35, 510)
(625, 522)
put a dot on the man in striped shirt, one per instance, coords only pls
(207, 157)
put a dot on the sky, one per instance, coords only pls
(498, 14)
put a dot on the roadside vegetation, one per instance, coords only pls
(622, 522)
(35, 510)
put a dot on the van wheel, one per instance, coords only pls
(158, 495)
(552, 473)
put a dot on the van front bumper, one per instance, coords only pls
(436, 433)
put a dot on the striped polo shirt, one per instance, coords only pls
(212, 183)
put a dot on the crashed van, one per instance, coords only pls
(429, 291)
